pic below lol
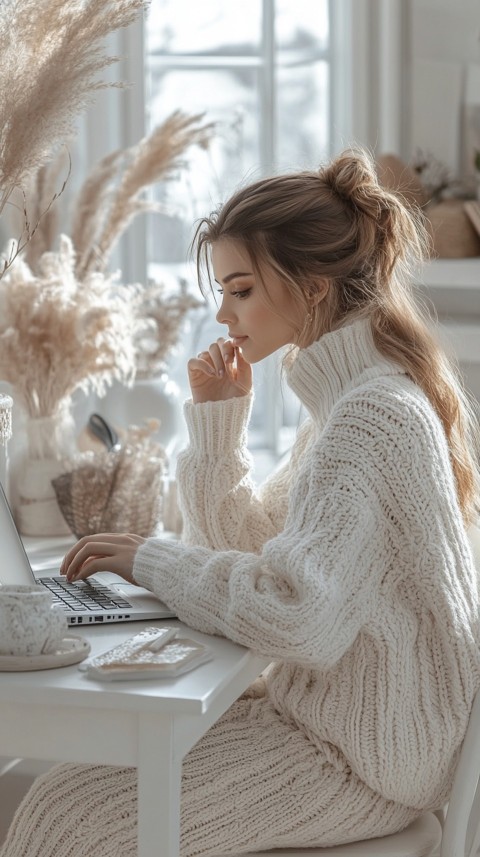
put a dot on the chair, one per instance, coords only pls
(459, 836)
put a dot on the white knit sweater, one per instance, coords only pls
(351, 570)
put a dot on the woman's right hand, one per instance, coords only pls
(219, 373)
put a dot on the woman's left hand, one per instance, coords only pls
(102, 552)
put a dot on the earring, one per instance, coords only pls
(309, 318)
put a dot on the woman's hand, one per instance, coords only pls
(219, 373)
(102, 552)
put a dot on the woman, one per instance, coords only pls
(351, 569)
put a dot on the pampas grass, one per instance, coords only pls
(112, 195)
(58, 334)
(163, 316)
(40, 214)
(51, 54)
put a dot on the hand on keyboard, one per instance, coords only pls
(102, 552)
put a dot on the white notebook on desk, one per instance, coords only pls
(85, 602)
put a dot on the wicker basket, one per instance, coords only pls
(452, 231)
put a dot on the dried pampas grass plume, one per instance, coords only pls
(104, 210)
(40, 215)
(51, 54)
(57, 334)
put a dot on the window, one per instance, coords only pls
(261, 71)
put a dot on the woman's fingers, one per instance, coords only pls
(214, 361)
(102, 552)
(200, 364)
(244, 371)
(219, 373)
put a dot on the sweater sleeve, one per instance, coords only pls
(306, 595)
(220, 505)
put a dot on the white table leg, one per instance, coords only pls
(159, 782)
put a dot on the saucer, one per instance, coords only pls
(70, 650)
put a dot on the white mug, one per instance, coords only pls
(30, 624)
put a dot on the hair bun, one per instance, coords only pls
(353, 177)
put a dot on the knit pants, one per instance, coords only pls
(252, 782)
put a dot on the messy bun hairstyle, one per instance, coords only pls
(339, 224)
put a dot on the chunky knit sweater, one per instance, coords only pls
(351, 570)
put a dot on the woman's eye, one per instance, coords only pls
(241, 295)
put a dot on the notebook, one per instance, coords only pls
(85, 602)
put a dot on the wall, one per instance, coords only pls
(444, 49)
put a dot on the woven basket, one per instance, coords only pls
(452, 231)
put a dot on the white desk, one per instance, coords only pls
(60, 714)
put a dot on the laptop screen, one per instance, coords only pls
(14, 563)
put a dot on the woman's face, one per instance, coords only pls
(252, 324)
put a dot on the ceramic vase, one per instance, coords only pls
(49, 444)
(157, 397)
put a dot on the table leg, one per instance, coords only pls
(159, 782)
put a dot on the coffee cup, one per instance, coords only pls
(30, 624)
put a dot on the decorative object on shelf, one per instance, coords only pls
(435, 177)
(44, 89)
(453, 233)
(6, 404)
(428, 184)
(116, 490)
(58, 334)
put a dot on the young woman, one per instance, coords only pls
(351, 569)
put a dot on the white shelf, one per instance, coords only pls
(448, 273)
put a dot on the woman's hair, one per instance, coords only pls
(338, 224)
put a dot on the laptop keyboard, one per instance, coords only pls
(83, 595)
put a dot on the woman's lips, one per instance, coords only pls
(238, 340)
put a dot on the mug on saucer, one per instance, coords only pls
(30, 624)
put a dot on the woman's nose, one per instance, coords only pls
(223, 316)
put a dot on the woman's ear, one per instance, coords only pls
(319, 291)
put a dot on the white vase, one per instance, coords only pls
(49, 444)
(157, 397)
(6, 403)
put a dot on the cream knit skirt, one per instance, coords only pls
(252, 782)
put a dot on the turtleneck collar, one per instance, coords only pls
(336, 363)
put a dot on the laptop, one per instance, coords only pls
(86, 602)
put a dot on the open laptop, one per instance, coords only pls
(85, 602)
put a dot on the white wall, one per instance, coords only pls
(444, 49)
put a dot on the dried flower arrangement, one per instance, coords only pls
(43, 90)
(64, 322)
(58, 333)
(111, 196)
(436, 177)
